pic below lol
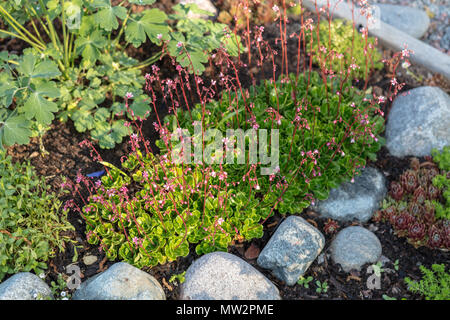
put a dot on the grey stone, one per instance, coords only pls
(291, 249)
(389, 36)
(355, 246)
(354, 201)
(321, 258)
(410, 20)
(120, 282)
(205, 5)
(418, 122)
(223, 276)
(89, 259)
(24, 286)
(445, 41)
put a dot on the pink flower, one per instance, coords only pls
(129, 95)
(405, 53)
(179, 44)
(136, 241)
(381, 99)
(159, 36)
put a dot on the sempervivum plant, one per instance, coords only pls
(418, 204)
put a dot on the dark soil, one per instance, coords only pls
(66, 158)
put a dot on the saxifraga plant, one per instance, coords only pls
(172, 205)
(151, 209)
(418, 205)
(31, 224)
(340, 38)
(77, 68)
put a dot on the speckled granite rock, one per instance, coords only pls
(355, 246)
(223, 276)
(418, 122)
(120, 282)
(354, 201)
(291, 249)
(24, 286)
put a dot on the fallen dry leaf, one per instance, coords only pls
(312, 222)
(352, 277)
(168, 286)
(101, 265)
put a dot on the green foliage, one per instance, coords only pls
(59, 290)
(85, 76)
(31, 85)
(305, 182)
(160, 233)
(321, 287)
(30, 221)
(377, 268)
(434, 285)
(157, 221)
(338, 38)
(442, 182)
(396, 265)
(305, 281)
(191, 32)
(442, 158)
(178, 277)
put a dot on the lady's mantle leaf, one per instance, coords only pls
(107, 16)
(90, 45)
(30, 67)
(151, 24)
(37, 106)
(15, 130)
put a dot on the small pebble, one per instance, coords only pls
(90, 259)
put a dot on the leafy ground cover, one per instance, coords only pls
(66, 156)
